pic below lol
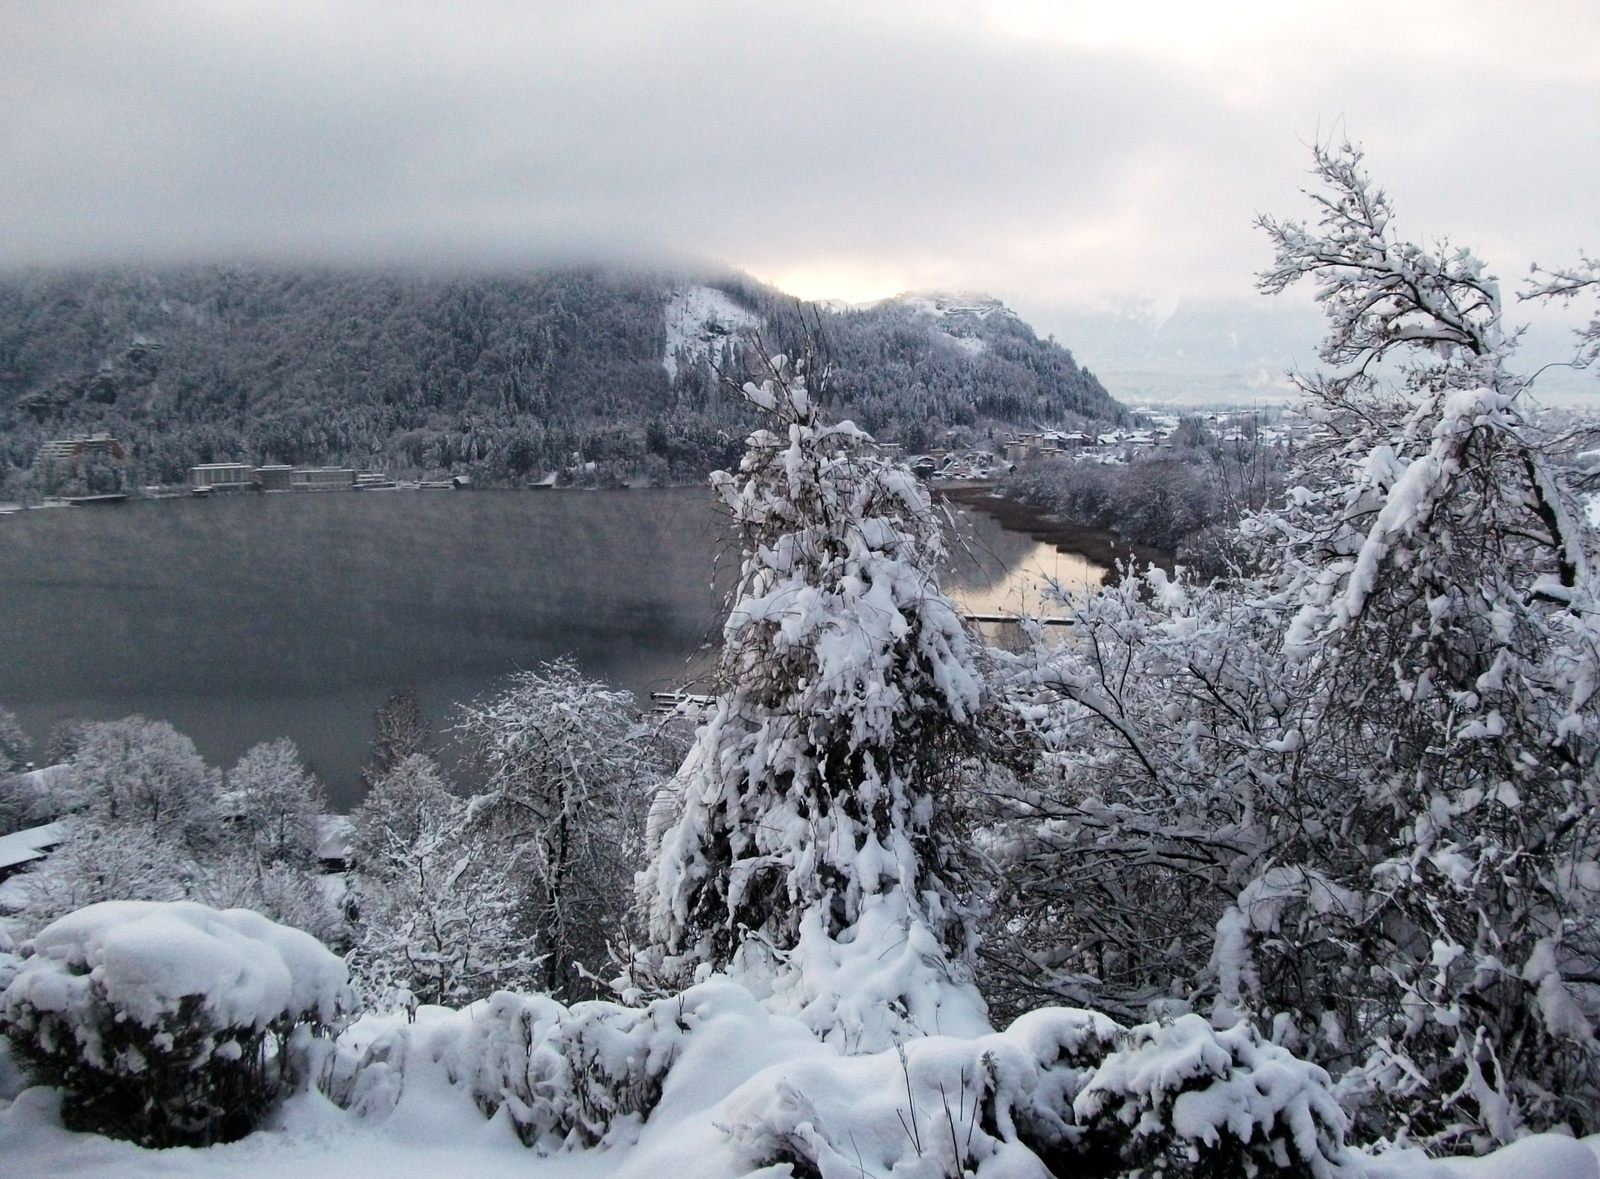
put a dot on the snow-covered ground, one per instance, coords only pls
(699, 322)
(742, 1081)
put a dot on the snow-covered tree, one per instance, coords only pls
(14, 744)
(568, 769)
(400, 731)
(441, 918)
(1371, 765)
(397, 807)
(146, 773)
(151, 825)
(1442, 583)
(273, 805)
(814, 850)
(14, 748)
(103, 861)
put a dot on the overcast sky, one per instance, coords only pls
(1069, 157)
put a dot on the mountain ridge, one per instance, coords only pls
(500, 376)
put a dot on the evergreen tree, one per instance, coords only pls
(815, 848)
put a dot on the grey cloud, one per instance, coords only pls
(717, 135)
(768, 136)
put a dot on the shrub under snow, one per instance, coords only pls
(1182, 1099)
(564, 1077)
(1060, 1091)
(167, 1023)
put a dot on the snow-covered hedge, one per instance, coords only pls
(168, 1023)
(562, 1076)
(1060, 1091)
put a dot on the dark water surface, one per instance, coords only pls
(245, 618)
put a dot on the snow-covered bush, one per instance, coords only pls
(564, 1077)
(941, 1106)
(168, 1024)
(814, 814)
(567, 1076)
(1181, 1099)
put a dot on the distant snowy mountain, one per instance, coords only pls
(1192, 352)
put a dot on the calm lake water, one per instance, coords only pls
(245, 618)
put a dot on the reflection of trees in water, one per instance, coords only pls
(254, 617)
(983, 552)
(994, 569)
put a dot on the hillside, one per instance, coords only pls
(502, 377)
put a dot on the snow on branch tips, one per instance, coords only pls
(815, 851)
(1564, 285)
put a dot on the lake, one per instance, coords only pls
(244, 618)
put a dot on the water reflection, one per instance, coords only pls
(1023, 589)
(244, 619)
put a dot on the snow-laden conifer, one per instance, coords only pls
(811, 852)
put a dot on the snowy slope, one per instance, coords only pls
(959, 315)
(700, 322)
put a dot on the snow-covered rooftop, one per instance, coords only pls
(23, 847)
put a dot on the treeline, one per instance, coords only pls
(431, 894)
(1182, 497)
(497, 376)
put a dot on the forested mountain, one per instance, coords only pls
(503, 377)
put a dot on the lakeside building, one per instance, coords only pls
(275, 477)
(22, 849)
(322, 479)
(78, 446)
(210, 477)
